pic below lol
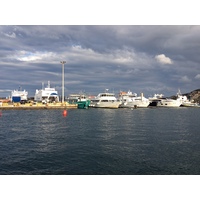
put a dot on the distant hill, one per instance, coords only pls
(194, 95)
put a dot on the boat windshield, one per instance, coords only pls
(107, 95)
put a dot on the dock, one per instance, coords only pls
(36, 106)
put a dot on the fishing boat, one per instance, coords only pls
(46, 95)
(131, 100)
(80, 99)
(105, 100)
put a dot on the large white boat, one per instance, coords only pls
(46, 95)
(105, 100)
(19, 96)
(131, 100)
(165, 102)
(169, 102)
(189, 103)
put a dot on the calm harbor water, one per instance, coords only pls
(100, 141)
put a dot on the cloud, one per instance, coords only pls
(99, 57)
(10, 35)
(32, 56)
(184, 79)
(163, 59)
(6, 90)
(197, 76)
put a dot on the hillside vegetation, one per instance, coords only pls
(194, 95)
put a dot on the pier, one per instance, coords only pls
(18, 106)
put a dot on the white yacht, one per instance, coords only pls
(19, 96)
(131, 100)
(105, 100)
(154, 100)
(165, 102)
(46, 95)
(187, 103)
(169, 102)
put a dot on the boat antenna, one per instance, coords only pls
(42, 85)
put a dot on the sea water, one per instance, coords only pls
(100, 141)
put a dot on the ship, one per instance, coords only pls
(19, 96)
(46, 95)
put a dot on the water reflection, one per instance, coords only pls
(100, 141)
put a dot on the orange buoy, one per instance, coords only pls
(65, 113)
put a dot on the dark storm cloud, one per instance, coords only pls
(145, 59)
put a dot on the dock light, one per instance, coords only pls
(63, 81)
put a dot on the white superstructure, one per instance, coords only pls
(156, 97)
(46, 95)
(18, 96)
(131, 100)
(105, 100)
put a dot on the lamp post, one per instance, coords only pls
(63, 75)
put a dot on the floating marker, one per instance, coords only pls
(65, 113)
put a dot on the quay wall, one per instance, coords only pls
(18, 106)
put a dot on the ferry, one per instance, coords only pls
(46, 95)
(18, 96)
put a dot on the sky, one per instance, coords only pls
(141, 58)
(142, 46)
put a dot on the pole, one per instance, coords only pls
(63, 80)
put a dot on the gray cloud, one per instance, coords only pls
(99, 57)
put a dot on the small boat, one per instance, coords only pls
(190, 104)
(131, 100)
(80, 99)
(105, 100)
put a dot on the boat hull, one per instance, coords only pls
(173, 104)
(83, 104)
(135, 104)
(188, 104)
(107, 105)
